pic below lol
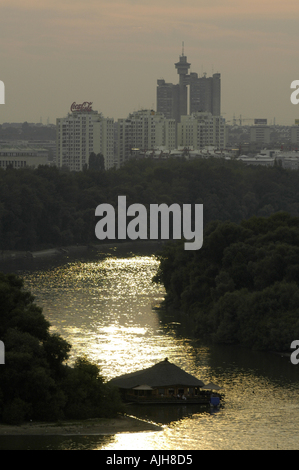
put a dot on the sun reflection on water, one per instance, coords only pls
(104, 309)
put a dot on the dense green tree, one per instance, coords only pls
(35, 382)
(96, 162)
(242, 286)
(88, 395)
(53, 207)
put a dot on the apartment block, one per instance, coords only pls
(200, 130)
(82, 132)
(144, 130)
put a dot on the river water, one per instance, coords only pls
(105, 305)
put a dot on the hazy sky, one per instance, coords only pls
(112, 53)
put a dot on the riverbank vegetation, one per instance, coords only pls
(49, 207)
(242, 286)
(35, 381)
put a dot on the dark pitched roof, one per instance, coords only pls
(163, 374)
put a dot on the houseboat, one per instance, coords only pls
(165, 383)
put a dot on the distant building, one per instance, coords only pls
(22, 156)
(49, 145)
(295, 134)
(204, 93)
(270, 157)
(82, 132)
(142, 131)
(260, 133)
(168, 100)
(287, 159)
(264, 160)
(201, 130)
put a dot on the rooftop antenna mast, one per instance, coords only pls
(183, 49)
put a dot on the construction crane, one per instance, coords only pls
(241, 120)
(234, 120)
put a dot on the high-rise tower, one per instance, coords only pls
(204, 95)
(182, 67)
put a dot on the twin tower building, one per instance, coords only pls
(203, 95)
(187, 115)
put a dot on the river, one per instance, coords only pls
(105, 304)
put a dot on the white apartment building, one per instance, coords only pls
(82, 132)
(144, 130)
(200, 130)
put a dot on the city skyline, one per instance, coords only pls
(113, 53)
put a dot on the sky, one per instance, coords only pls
(112, 53)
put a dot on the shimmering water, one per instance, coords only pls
(104, 305)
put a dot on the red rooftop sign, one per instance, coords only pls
(83, 107)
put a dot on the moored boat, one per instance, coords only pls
(165, 383)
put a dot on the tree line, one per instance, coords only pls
(51, 207)
(242, 286)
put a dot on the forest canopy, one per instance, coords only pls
(50, 207)
(242, 287)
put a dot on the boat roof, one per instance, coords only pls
(162, 374)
